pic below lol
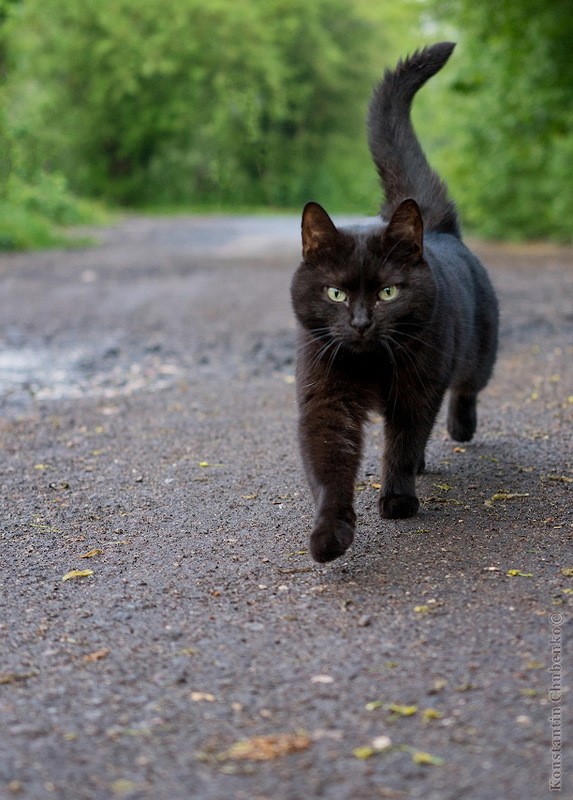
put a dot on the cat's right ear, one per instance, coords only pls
(319, 233)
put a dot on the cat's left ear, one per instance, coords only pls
(405, 231)
(319, 233)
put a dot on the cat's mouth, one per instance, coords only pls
(360, 342)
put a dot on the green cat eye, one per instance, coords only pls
(336, 295)
(388, 293)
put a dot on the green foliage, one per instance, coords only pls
(262, 103)
(231, 101)
(34, 202)
(509, 158)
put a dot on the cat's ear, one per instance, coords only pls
(319, 233)
(405, 230)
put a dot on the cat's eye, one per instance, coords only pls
(336, 295)
(388, 293)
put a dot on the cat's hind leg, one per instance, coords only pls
(462, 415)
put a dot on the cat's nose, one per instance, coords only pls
(360, 321)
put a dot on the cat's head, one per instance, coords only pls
(363, 289)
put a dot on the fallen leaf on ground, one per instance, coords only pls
(91, 553)
(422, 609)
(97, 655)
(431, 713)
(419, 757)
(77, 573)
(534, 663)
(198, 697)
(15, 677)
(363, 752)
(438, 686)
(267, 748)
(505, 496)
(402, 711)
(517, 573)
(562, 478)
(379, 744)
(528, 692)
(567, 572)
(322, 679)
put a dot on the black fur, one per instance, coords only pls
(389, 317)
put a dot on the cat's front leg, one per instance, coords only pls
(406, 436)
(330, 434)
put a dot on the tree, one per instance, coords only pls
(512, 153)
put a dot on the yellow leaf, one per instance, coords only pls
(517, 573)
(562, 478)
(91, 553)
(402, 711)
(77, 573)
(431, 713)
(363, 752)
(567, 572)
(420, 757)
(422, 609)
(373, 705)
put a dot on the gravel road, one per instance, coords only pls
(148, 437)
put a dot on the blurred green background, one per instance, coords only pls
(260, 104)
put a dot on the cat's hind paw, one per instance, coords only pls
(328, 542)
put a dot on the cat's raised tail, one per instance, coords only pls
(399, 159)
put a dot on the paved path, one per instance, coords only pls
(147, 431)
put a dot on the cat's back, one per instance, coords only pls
(458, 272)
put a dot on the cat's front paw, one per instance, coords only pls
(330, 541)
(399, 506)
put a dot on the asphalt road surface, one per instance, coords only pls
(148, 439)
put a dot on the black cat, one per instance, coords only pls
(390, 317)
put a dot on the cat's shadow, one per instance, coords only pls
(479, 508)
